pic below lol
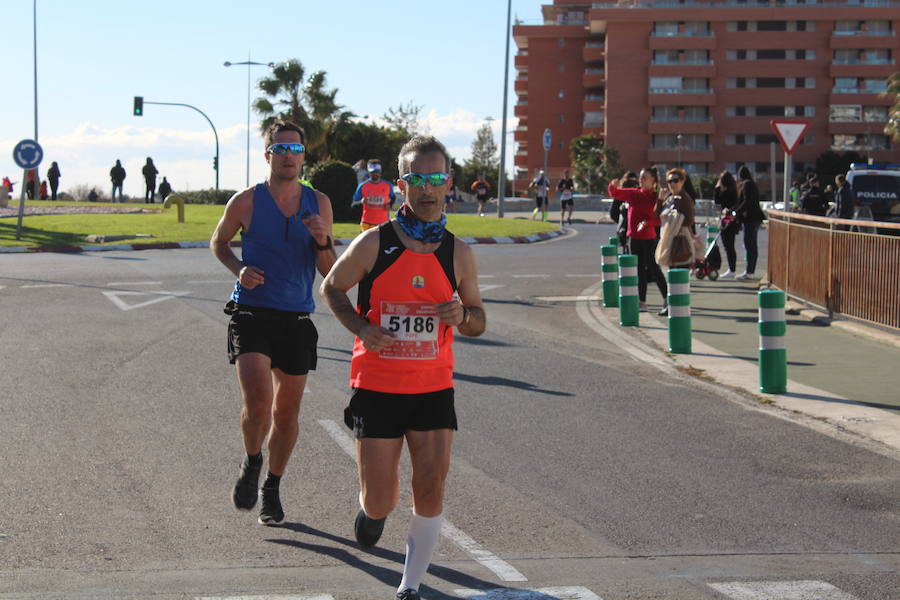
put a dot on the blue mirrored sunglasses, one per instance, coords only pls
(285, 148)
(419, 179)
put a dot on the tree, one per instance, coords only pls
(484, 159)
(830, 163)
(594, 162)
(893, 91)
(404, 118)
(364, 141)
(291, 96)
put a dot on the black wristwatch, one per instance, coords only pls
(327, 246)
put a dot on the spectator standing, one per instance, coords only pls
(165, 188)
(117, 176)
(566, 189)
(93, 197)
(31, 184)
(642, 224)
(53, 176)
(361, 172)
(618, 211)
(149, 171)
(541, 187)
(812, 201)
(843, 198)
(450, 198)
(376, 196)
(42, 194)
(9, 185)
(726, 198)
(750, 215)
(482, 191)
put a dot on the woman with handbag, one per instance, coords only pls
(642, 223)
(725, 197)
(680, 201)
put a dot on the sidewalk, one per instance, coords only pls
(836, 374)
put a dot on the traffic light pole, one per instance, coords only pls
(215, 133)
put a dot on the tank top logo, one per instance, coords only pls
(418, 282)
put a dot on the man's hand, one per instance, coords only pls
(318, 228)
(250, 277)
(375, 338)
(451, 313)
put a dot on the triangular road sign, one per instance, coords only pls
(116, 298)
(789, 132)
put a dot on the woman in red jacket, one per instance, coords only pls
(642, 224)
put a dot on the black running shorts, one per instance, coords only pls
(565, 203)
(288, 338)
(540, 201)
(382, 415)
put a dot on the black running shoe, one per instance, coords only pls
(368, 531)
(245, 490)
(407, 594)
(270, 513)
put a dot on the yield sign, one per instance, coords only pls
(789, 132)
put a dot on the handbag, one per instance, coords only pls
(671, 227)
(682, 249)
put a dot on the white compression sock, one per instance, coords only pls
(424, 533)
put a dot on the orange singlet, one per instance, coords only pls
(400, 294)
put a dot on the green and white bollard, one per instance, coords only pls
(772, 351)
(610, 275)
(614, 241)
(629, 306)
(711, 232)
(679, 300)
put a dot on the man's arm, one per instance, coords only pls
(350, 268)
(235, 217)
(468, 314)
(320, 229)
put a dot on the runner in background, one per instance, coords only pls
(541, 187)
(566, 189)
(376, 196)
(482, 191)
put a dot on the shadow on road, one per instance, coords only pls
(387, 576)
(519, 385)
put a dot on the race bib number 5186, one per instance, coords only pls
(414, 326)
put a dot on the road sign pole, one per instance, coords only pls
(787, 183)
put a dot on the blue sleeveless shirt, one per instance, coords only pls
(283, 249)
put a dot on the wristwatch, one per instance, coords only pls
(328, 246)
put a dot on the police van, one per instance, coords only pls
(876, 187)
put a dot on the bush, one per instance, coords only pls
(208, 196)
(337, 180)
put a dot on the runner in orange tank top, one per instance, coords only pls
(409, 271)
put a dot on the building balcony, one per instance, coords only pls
(592, 105)
(595, 129)
(521, 110)
(685, 155)
(521, 86)
(862, 69)
(685, 69)
(591, 53)
(521, 135)
(592, 78)
(874, 39)
(856, 127)
(707, 126)
(707, 42)
(521, 159)
(680, 97)
(521, 61)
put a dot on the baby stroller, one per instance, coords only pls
(709, 265)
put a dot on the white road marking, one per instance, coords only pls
(494, 286)
(486, 276)
(594, 275)
(531, 276)
(267, 597)
(781, 590)
(229, 281)
(501, 568)
(121, 283)
(568, 298)
(46, 285)
(557, 593)
(115, 298)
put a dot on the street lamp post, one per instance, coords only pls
(249, 64)
(678, 138)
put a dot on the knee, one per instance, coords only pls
(378, 505)
(285, 417)
(257, 406)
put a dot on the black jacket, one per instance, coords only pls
(748, 209)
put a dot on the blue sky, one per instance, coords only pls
(94, 56)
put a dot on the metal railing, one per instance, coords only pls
(836, 265)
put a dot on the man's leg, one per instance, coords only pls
(429, 453)
(378, 461)
(255, 379)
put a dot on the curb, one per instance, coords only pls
(528, 239)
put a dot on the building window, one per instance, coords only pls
(562, 93)
(665, 28)
(562, 42)
(562, 119)
(876, 114)
(742, 26)
(770, 111)
(562, 67)
(770, 82)
(771, 55)
(771, 26)
(845, 113)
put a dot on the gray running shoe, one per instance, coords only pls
(368, 531)
(270, 513)
(245, 490)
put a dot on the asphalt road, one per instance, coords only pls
(578, 472)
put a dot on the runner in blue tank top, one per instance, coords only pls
(285, 229)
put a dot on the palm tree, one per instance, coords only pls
(291, 96)
(893, 91)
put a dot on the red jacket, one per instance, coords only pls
(641, 207)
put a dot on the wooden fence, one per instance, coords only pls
(832, 264)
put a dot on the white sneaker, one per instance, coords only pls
(729, 274)
(746, 276)
(642, 307)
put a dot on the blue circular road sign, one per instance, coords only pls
(547, 139)
(28, 154)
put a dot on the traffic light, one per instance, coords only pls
(138, 106)
(215, 163)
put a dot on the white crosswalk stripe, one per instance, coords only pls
(781, 590)
(556, 593)
(267, 597)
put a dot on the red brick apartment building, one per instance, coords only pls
(696, 82)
